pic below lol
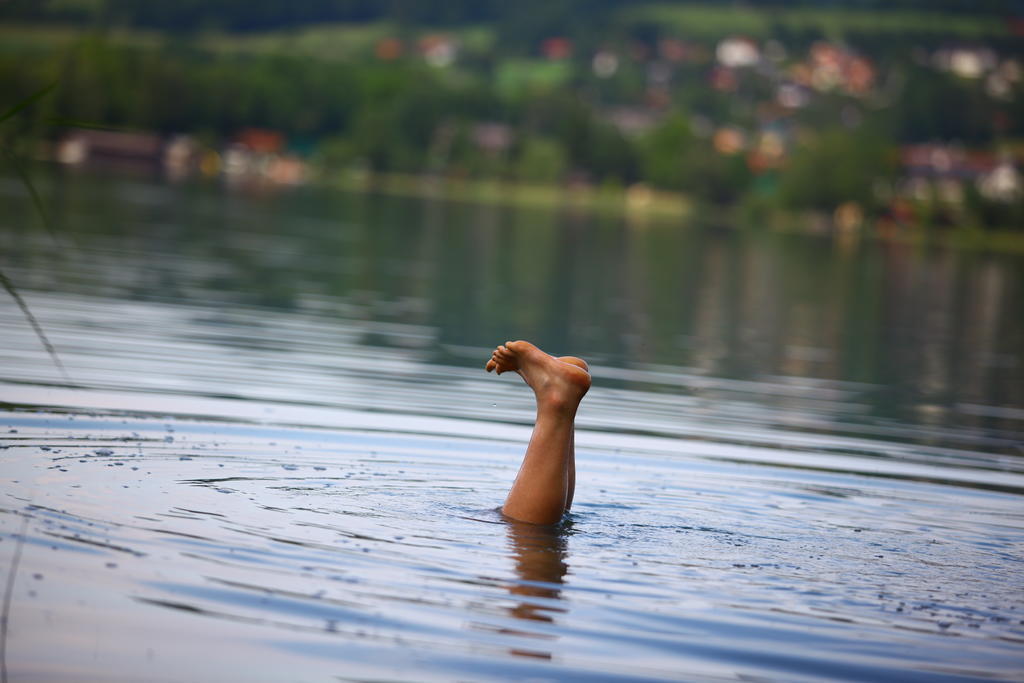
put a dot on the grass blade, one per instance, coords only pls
(36, 199)
(9, 286)
(12, 573)
(27, 101)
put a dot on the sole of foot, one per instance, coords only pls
(556, 382)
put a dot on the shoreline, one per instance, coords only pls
(641, 203)
(637, 204)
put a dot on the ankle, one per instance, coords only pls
(560, 403)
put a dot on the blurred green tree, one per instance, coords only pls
(836, 166)
(541, 160)
(666, 154)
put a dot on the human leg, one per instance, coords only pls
(571, 454)
(571, 473)
(542, 490)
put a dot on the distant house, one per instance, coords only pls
(737, 52)
(831, 67)
(936, 160)
(605, 63)
(261, 140)
(181, 156)
(1003, 183)
(260, 154)
(556, 48)
(966, 62)
(946, 167)
(103, 145)
(438, 50)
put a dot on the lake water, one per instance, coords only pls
(275, 454)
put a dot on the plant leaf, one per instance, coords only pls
(27, 101)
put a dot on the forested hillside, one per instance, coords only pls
(910, 111)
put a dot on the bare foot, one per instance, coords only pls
(573, 360)
(494, 364)
(557, 383)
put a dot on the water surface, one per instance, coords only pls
(278, 455)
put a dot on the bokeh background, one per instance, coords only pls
(891, 117)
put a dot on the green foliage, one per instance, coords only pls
(542, 161)
(834, 167)
(520, 77)
(336, 153)
(666, 153)
(718, 178)
(991, 213)
(936, 106)
(717, 21)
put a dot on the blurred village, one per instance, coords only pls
(913, 125)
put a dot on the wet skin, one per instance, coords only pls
(543, 490)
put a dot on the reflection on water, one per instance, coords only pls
(935, 334)
(539, 553)
(798, 461)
